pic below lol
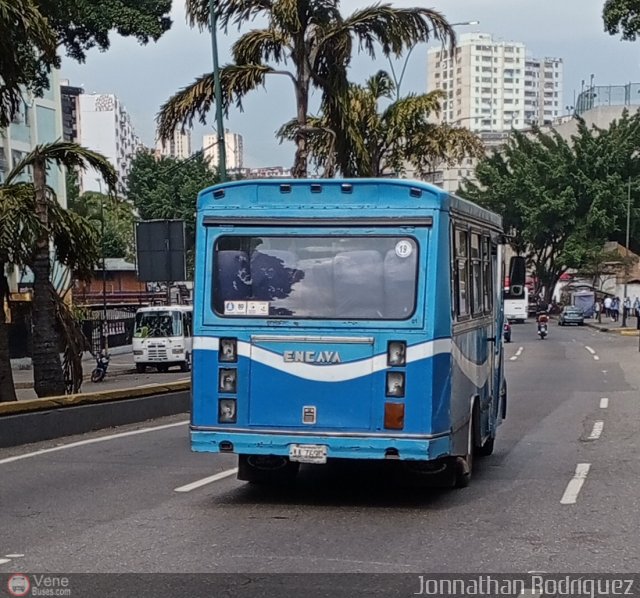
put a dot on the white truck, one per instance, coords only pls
(162, 337)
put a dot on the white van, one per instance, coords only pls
(162, 337)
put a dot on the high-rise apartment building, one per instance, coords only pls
(105, 126)
(179, 146)
(492, 86)
(233, 146)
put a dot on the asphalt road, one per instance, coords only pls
(111, 505)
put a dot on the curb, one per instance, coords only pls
(85, 378)
(615, 329)
(90, 398)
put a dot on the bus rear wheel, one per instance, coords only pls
(267, 470)
(463, 466)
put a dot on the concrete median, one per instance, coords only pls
(36, 420)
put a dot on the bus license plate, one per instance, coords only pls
(308, 453)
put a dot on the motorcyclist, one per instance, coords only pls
(542, 315)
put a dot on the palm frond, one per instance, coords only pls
(395, 29)
(70, 156)
(228, 11)
(260, 45)
(286, 15)
(195, 100)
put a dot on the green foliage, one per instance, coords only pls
(622, 16)
(84, 24)
(561, 200)
(376, 141)
(27, 52)
(306, 40)
(119, 222)
(168, 188)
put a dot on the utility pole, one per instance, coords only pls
(103, 328)
(626, 262)
(222, 153)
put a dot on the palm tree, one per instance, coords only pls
(27, 51)
(380, 142)
(68, 235)
(307, 41)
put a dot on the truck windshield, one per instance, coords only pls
(330, 277)
(156, 324)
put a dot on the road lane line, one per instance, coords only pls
(4, 561)
(596, 358)
(604, 403)
(597, 430)
(519, 351)
(575, 484)
(590, 350)
(209, 480)
(14, 556)
(513, 358)
(91, 441)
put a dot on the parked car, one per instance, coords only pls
(507, 332)
(571, 315)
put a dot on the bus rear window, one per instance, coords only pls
(359, 278)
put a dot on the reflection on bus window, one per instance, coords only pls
(316, 277)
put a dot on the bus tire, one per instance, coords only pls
(487, 448)
(249, 470)
(163, 369)
(185, 366)
(141, 368)
(463, 466)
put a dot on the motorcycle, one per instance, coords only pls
(542, 330)
(507, 332)
(100, 371)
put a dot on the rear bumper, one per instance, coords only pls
(338, 447)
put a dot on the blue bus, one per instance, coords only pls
(346, 319)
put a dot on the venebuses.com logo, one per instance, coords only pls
(18, 585)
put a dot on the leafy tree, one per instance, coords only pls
(309, 42)
(622, 16)
(31, 31)
(167, 188)
(119, 222)
(561, 200)
(27, 52)
(73, 240)
(84, 24)
(380, 142)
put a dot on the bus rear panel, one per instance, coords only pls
(323, 325)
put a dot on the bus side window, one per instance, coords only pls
(399, 285)
(232, 280)
(358, 282)
(461, 271)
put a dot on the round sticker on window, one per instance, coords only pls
(404, 248)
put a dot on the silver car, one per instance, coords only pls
(571, 315)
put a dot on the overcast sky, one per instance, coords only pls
(143, 77)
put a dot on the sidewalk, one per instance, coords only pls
(23, 372)
(609, 326)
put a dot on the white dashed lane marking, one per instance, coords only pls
(604, 403)
(597, 430)
(205, 481)
(575, 484)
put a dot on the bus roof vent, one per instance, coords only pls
(346, 188)
(316, 188)
(285, 188)
(415, 192)
(218, 194)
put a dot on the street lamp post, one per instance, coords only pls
(398, 81)
(626, 263)
(222, 154)
(103, 331)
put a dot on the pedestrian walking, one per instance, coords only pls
(626, 309)
(607, 307)
(597, 311)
